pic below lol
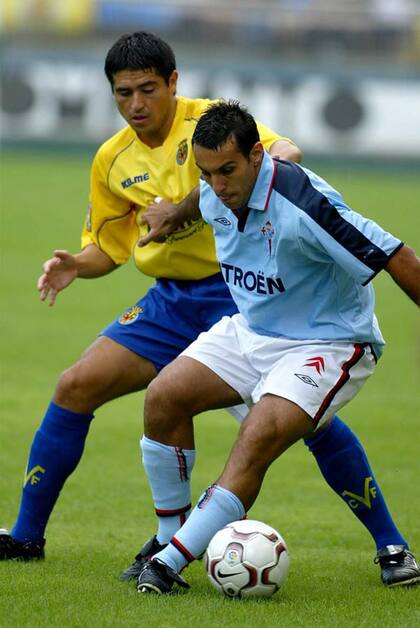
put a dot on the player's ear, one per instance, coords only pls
(173, 80)
(256, 153)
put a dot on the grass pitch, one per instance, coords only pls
(105, 512)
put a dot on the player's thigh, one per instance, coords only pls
(106, 370)
(187, 386)
(220, 349)
(119, 364)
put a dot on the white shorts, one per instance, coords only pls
(319, 376)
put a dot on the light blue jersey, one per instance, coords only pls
(297, 260)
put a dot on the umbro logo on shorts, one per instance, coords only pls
(306, 379)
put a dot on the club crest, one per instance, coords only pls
(268, 232)
(182, 152)
(130, 315)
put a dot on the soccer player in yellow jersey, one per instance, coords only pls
(150, 158)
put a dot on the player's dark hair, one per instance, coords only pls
(140, 51)
(223, 120)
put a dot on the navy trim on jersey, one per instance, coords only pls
(379, 269)
(294, 184)
(242, 218)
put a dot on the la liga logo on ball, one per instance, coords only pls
(247, 559)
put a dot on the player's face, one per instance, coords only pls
(146, 102)
(230, 174)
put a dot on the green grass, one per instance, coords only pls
(104, 513)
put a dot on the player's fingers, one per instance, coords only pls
(145, 240)
(143, 219)
(52, 296)
(40, 284)
(151, 237)
(61, 254)
(43, 292)
(49, 265)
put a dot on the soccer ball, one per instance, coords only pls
(247, 559)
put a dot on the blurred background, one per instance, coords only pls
(342, 78)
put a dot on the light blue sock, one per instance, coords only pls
(216, 508)
(55, 452)
(169, 471)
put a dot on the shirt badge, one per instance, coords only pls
(182, 152)
(130, 315)
(268, 232)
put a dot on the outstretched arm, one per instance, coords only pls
(62, 269)
(404, 268)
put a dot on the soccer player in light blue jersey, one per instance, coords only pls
(298, 262)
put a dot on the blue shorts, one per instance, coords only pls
(170, 317)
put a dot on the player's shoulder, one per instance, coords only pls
(194, 107)
(115, 144)
(290, 179)
(302, 187)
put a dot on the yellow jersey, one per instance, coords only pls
(127, 175)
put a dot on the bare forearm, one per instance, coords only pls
(404, 268)
(92, 262)
(189, 209)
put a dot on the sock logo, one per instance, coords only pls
(355, 500)
(32, 476)
(202, 502)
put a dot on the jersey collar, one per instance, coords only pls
(263, 185)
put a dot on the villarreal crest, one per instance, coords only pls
(130, 315)
(182, 152)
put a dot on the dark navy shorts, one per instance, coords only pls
(170, 317)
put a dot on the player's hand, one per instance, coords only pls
(59, 272)
(160, 217)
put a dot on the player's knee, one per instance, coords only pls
(161, 398)
(76, 390)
